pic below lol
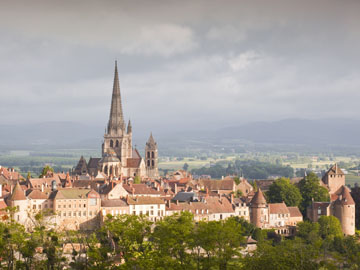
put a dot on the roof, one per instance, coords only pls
(344, 196)
(3, 205)
(81, 167)
(183, 196)
(38, 182)
(264, 184)
(133, 162)
(18, 193)
(217, 184)
(114, 203)
(145, 200)
(334, 170)
(37, 195)
(141, 189)
(73, 193)
(151, 142)
(211, 204)
(294, 211)
(278, 208)
(135, 153)
(258, 198)
(93, 163)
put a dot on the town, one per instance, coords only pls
(122, 183)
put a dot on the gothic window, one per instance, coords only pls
(117, 143)
(111, 143)
(152, 163)
(148, 154)
(152, 154)
(148, 163)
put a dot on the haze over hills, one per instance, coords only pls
(278, 134)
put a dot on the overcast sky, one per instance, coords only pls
(182, 64)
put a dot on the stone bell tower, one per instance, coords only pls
(117, 145)
(151, 158)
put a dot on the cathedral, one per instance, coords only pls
(119, 158)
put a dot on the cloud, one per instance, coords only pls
(244, 60)
(161, 39)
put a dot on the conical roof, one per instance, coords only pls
(151, 141)
(258, 198)
(345, 197)
(18, 193)
(116, 119)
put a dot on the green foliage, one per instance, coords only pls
(236, 180)
(330, 227)
(251, 169)
(283, 191)
(137, 180)
(45, 170)
(310, 189)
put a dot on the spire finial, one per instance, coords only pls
(116, 120)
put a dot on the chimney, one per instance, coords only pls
(175, 188)
(42, 187)
(232, 198)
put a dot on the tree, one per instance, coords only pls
(221, 241)
(308, 231)
(172, 238)
(283, 191)
(310, 189)
(236, 180)
(137, 180)
(45, 170)
(185, 167)
(129, 236)
(330, 227)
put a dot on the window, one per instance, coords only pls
(152, 212)
(69, 205)
(39, 206)
(59, 206)
(34, 206)
(117, 143)
(148, 154)
(79, 205)
(92, 201)
(79, 213)
(64, 214)
(84, 205)
(59, 214)
(319, 211)
(148, 163)
(152, 155)
(152, 163)
(84, 213)
(90, 213)
(111, 143)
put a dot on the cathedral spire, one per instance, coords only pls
(129, 127)
(116, 120)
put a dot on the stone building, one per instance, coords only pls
(119, 158)
(341, 203)
(276, 216)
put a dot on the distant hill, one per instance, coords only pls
(289, 132)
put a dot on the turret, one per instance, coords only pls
(259, 210)
(344, 210)
(129, 128)
(151, 158)
(334, 178)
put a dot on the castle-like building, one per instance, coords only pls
(341, 203)
(119, 158)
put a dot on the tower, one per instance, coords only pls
(344, 210)
(259, 210)
(117, 145)
(334, 178)
(151, 158)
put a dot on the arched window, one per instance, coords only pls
(152, 154)
(111, 143)
(106, 169)
(148, 154)
(152, 163)
(117, 143)
(111, 170)
(148, 163)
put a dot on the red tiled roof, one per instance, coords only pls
(18, 193)
(294, 211)
(258, 198)
(145, 200)
(217, 184)
(278, 208)
(141, 189)
(37, 195)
